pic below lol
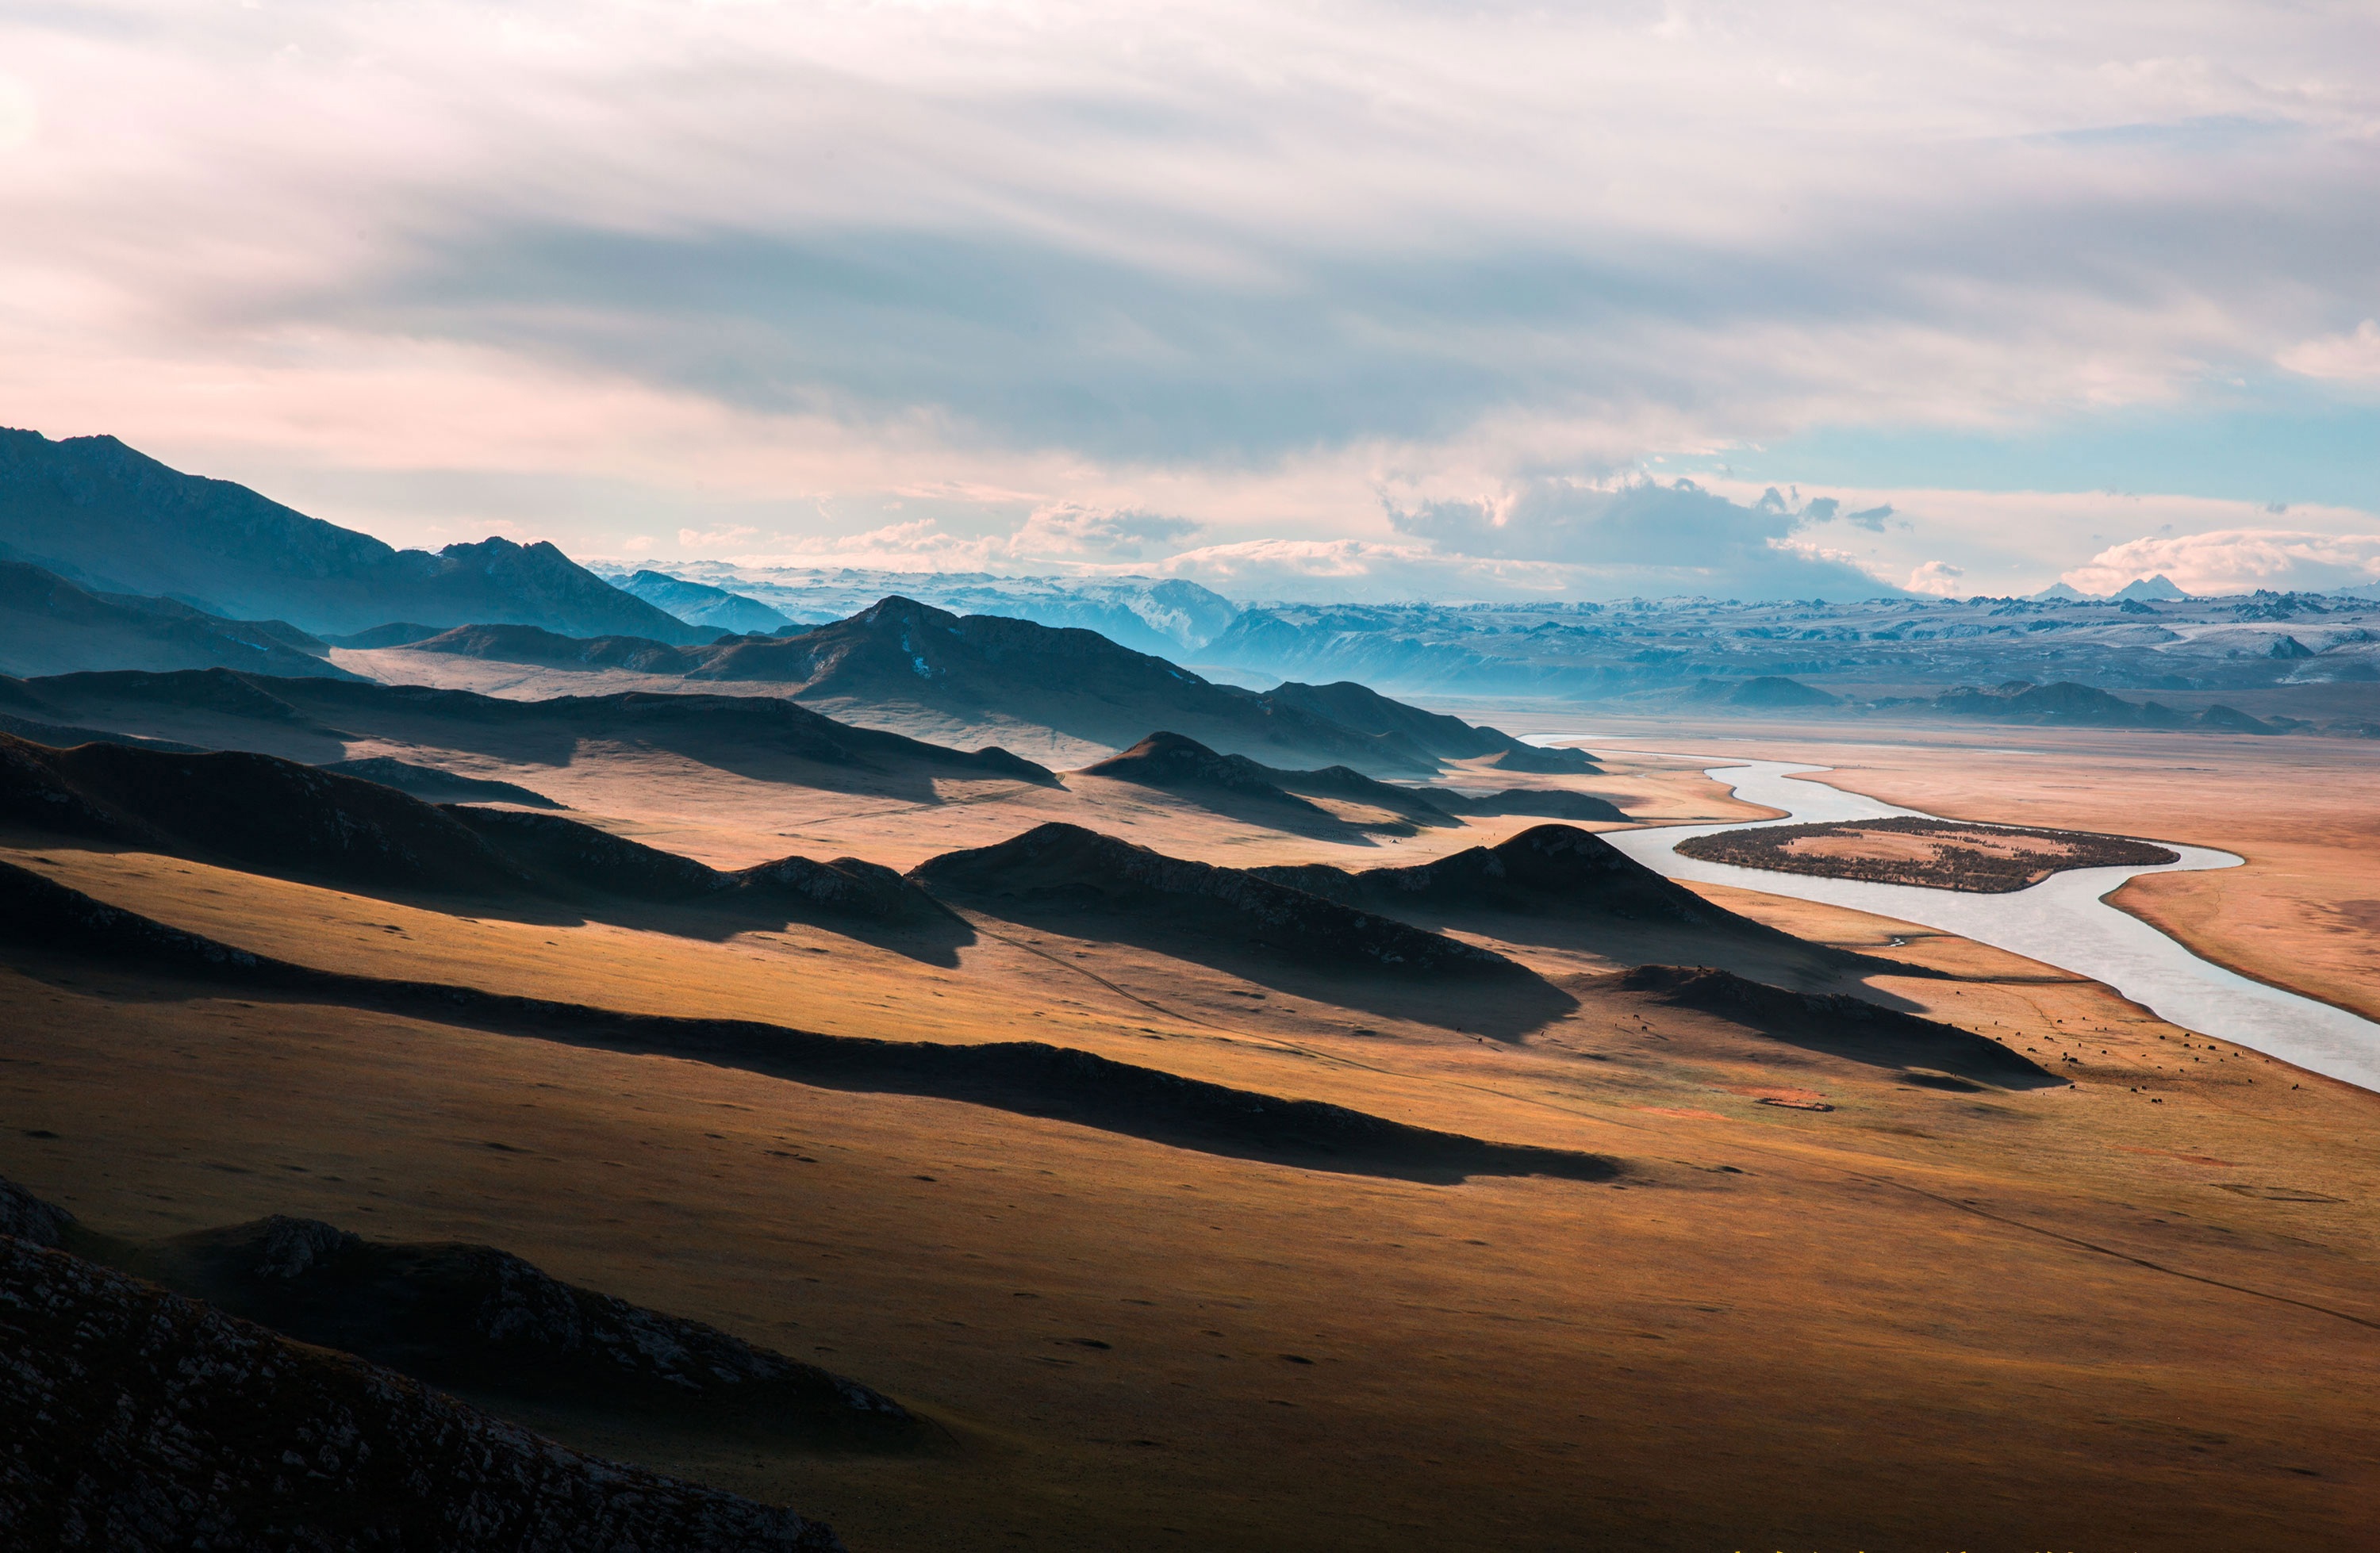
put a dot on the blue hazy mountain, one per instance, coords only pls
(115, 521)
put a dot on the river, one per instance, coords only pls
(2064, 921)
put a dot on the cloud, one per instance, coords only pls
(2237, 561)
(711, 539)
(1645, 536)
(1872, 519)
(1243, 263)
(2354, 356)
(1937, 577)
(1074, 531)
(1359, 571)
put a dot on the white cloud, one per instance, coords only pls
(1937, 577)
(1239, 263)
(711, 539)
(2237, 561)
(1070, 530)
(2353, 357)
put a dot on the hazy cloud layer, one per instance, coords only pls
(936, 278)
(2238, 560)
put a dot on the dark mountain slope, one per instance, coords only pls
(699, 603)
(529, 644)
(1846, 1026)
(1028, 1077)
(1542, 803)
(1449, 739)
(429, 782)
(1545, 871)
(143, 1421)
(1267, 795)
(899, 653)
(1561, 886)
(1177, 764)
(1069, 866)
(99, 514)
(757, 732)
(254, 812)
(48, 624)
(486, 1322)
(261, 814)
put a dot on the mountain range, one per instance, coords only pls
(989, 671)
(115, 521)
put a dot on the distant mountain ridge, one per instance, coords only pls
(49, 625)
(1169, 617)
(110, 518)
(899, 652)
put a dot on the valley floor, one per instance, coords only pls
(2137, 1312)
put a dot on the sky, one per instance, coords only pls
(1298, 300)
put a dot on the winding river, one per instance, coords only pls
(2064, 921)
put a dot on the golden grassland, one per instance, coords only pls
(2088, 1316)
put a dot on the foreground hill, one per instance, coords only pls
(144, 1421)
(49, 625)
(109, 517)
(482, 1320)
(900, 655)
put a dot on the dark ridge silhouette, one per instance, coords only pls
(570, 857)
(475, 1318)
(143, 1421)
(902, 653)
(63, 736)
(1844, 1027)
(699, 603)
(396, 633)
(527, 644)
(48, 623)
(1026, 1077)
(253, 811)
(429, 782)
(111, 519)
(264, 815)
(1538, 803)
(1262, 794)
(1546, 869)
(1068, 865)
(2062, 703)
(1563, 887)
(210, 690)
(486, 1323)
(1535, 760)
(1449, 739)
(1778, 692)
(733, 732)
